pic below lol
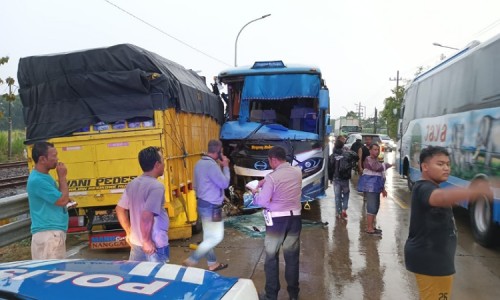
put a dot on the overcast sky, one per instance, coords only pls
(358, 45)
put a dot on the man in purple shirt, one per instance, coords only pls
(211, 177)
(280, 197)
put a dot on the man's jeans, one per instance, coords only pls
(285, 233)
(341, 190)
(161, 255)
(213, 233)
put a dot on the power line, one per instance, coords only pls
(169, 35)
(487, 28)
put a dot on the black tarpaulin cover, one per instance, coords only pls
(63, 93)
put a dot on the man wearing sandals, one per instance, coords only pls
(211, 177)
(280, 195)
(432, 239)
(372, 167)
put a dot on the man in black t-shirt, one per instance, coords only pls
(432, 239)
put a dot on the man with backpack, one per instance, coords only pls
(340, 165)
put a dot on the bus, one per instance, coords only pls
(273, 104)
(456, 105)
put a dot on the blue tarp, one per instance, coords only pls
(282, 86)
(277, 87)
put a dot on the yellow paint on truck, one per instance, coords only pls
(101, 163)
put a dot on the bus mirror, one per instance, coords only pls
(324, 99)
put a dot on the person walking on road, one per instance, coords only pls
(432, 239)
(363, 153)
(48, 204)
(340, 164)
(211, 177)
(146, 223)
(372, 183)
(279, 195)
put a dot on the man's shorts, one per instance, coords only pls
(434, 287)
(48, 244)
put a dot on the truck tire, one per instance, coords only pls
(485, 231)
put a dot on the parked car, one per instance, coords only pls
(388, 142)
(90, 279)
(351, 138)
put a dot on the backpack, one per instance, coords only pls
(340, 165)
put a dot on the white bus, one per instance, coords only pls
(456, 105)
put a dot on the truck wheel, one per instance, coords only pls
(481, 218)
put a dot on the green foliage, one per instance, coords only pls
(352, 114)
(18, 138)
(393, 104)
(16, 111)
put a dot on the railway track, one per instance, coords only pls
(15, 164)
(13, 181)
(13, 175)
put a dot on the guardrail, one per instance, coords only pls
(10, 207)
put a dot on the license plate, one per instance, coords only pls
(108, 240)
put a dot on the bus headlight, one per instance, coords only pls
(310, 166)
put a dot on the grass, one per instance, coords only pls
(17, 145)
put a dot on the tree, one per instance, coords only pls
(392, 109)
(9, 97)
(352, 114)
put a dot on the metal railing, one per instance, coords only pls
(14, 207)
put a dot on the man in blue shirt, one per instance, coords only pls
(47, 201)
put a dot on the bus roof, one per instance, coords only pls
(449, 60)
(268, 67)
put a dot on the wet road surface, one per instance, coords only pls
(338, 259)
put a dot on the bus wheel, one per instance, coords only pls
(410, 182)
(481, 218)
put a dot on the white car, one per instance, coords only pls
(117, 280)
(361, 136)
(388, 142)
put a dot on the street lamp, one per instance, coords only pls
(439, 45)
(236, 42)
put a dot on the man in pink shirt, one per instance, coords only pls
(280, 195)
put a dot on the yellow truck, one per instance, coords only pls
(100, 107)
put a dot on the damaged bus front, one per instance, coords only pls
(273, 104)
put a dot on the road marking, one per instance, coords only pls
(399, 202)
(75, 250)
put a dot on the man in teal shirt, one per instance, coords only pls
(47, 201)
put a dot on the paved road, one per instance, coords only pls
(340, 261)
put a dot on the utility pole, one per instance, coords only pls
(360, 109)
(375, 121)
(397, 84)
